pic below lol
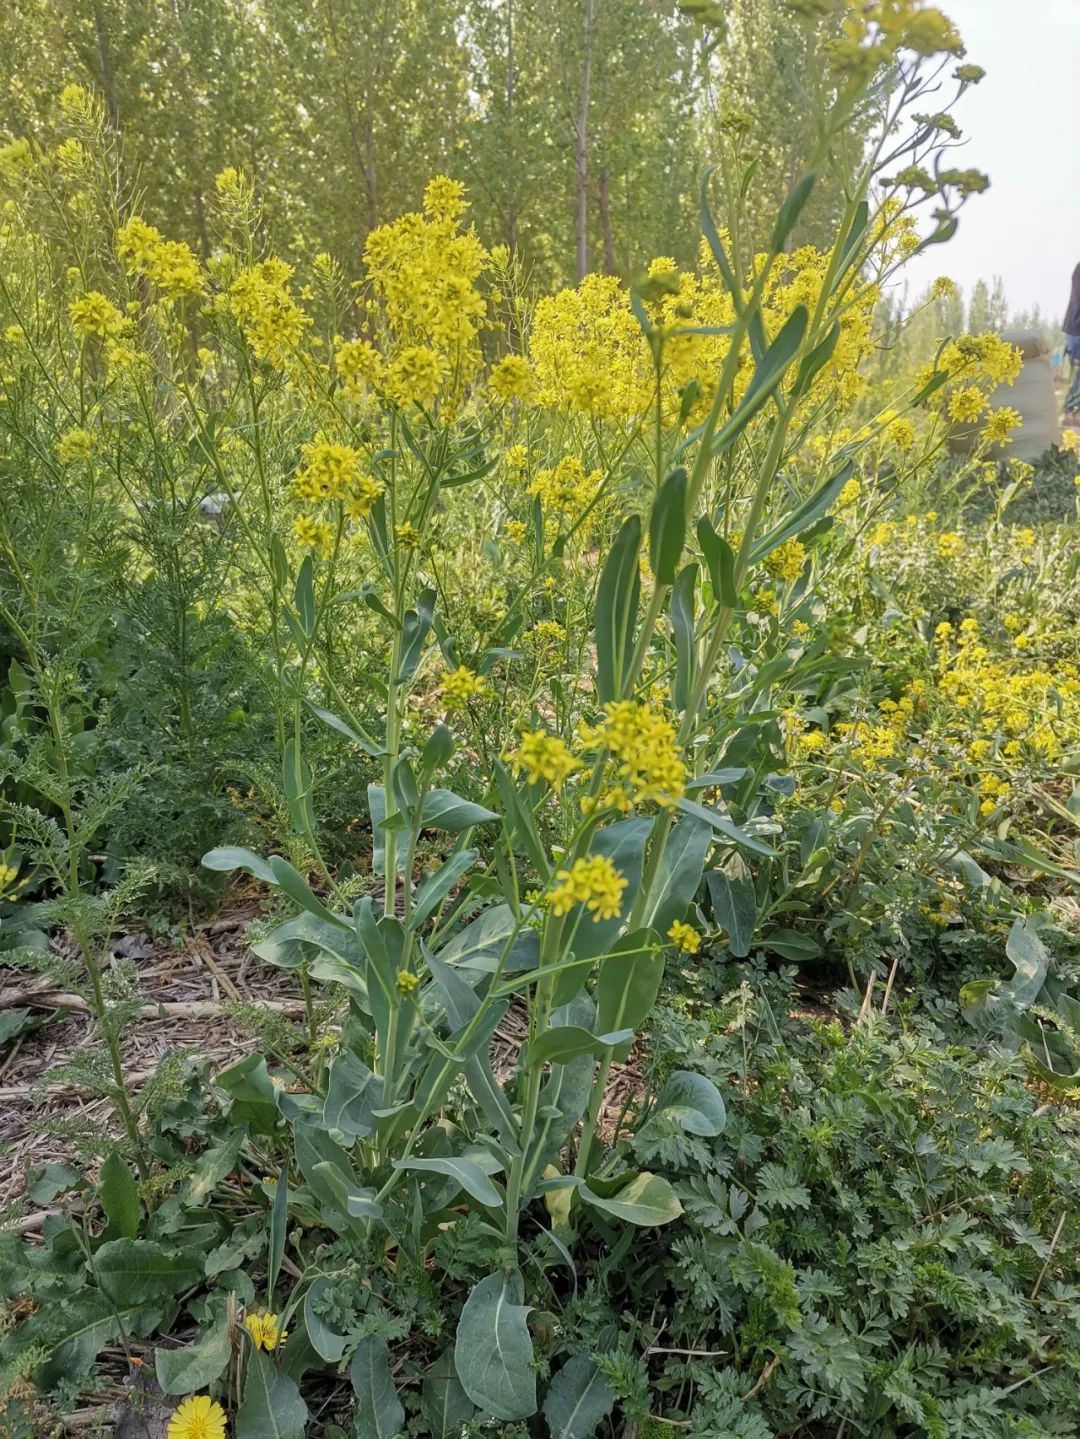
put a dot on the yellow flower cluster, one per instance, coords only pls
(594, 882)
(991, 707)
(786, 561)
(987, 358)
(542, 756)
(1000, 425)
(871, 35)
(590, 356)
(649, 766)
(684, 937)
(567, 487)
(512, 379)
(870, 743)
(358, 365)
(328, 472)
(423, 271)
(314, 534)
(462, 685)
(261, 301)
(416, 374)
(95, 314)
(169, 265)
(74, 445)
(588, 352)
(966, 404)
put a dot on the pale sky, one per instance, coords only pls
(1023, 127)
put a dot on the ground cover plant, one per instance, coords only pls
(629, 668)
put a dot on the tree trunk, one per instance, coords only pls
(604, 208)
(364, 155)
(511, 190)
(108, 76)
(582, 148)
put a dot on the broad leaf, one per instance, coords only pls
(468, 1175)
(680, 871)
(379, 1413)
(569, 1041)
(254, 1098)
(1031, 959)
(279, 1219)
(694, 1103)
(352, 1095)
(667, 527)
(627, 985)
(449, 812)
(119, 1198)
(493, 1352)
(324, 1341)
(272, 1407)
(579, 1398)
(616, 610)
(436, 886)
(134, 1271)
(734, 903)
(230, 857)
(445, 1406)
(647, 1201)
(725, 826)
(196, 1365)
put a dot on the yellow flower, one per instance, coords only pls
(444, 199)
(786, 561)
(74, 445)
(943, 288)
(567, 487)
(950, 545)
(684, 937)
(365, 494)
(901, 433)
(967, 403)
(649, 768)
(327, 472)
(197, 1417)
(594, 882)
(545, 635)
(95, 314)
(422, 270)
(1070, 441)
(313, 534)
(416, 375)
(543, 756)
(1001, 424)
(517, 457)
(265, 1330)
(358, 363)
(169, 265)
(850, 493)
(407, 535)
(462, 685)
(9, 873)
(261, 302)
(406, 982)
(512, 379)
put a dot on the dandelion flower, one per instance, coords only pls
(197, 1417)
(265, 1330)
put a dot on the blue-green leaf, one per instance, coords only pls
(493, 1351)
